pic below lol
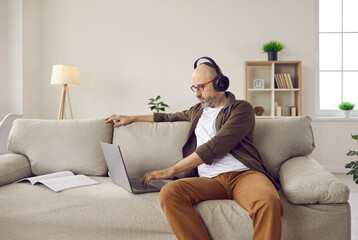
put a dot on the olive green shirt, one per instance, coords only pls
(235, 131)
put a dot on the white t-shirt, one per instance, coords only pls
(204, 131)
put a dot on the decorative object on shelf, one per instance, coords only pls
(259, 110)
(354, 164)
(157, 106)
(271, 48)
(65, 75)
(347, 108)
(259, 84)
(293, 111)
(278, 111)
(287, 111)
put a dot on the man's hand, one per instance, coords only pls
(119, 120)
(159, 174)
(191, 161)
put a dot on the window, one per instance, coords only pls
(338, 54)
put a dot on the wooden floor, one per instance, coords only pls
(353, 201)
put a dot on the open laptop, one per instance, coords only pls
(119, 175)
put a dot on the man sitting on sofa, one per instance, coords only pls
(220, 149)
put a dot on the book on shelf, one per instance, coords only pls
(278, 85)
(60, 181)
(290, 80)
(288, 84)
(283, 80)
(278, 81)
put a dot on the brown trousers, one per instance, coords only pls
(252, 190)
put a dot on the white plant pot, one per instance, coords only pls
(347, 113)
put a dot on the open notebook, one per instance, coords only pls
(60, 181)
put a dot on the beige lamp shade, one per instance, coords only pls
(65, 75)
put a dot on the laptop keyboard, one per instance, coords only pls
(135, 183)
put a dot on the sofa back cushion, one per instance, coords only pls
(58, 145)
(281, 139)
(151, 146)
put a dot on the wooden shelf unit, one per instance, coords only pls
(266, 70)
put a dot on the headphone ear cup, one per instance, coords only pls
(221, 83)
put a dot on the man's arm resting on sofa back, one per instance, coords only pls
(120, 120)
(13, 167)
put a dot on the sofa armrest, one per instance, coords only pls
(305, 181)
(13, 167)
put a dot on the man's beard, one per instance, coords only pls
(209, 103)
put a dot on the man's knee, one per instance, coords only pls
(269, 203)
(170, 191)
(275, 203)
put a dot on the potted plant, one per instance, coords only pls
(354, 164)
(157, 106)
(271, 48)
(347, 108)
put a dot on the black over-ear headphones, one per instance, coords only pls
(221, 82)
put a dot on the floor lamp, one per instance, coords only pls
(65, 75)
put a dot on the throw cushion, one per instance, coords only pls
(305, 181)
(58, 145)
(151, 146)
(281, 139)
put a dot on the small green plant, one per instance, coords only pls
(273, 46)
(346, 106)
(157, 106)
(353, 165)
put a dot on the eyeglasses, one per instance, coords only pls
(200, 87)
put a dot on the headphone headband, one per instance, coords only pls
(215, 66)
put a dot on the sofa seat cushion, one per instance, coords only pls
(281, 139)
(226, 220)
(58, 145)
(151, 146)
(304, 181)
(102, 211)
(106, 211)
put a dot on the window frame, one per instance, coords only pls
(322, 112)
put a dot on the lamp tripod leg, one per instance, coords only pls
(69, 101)
(62, 103)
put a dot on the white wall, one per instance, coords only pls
(3, 58)
(31, 40)
(128, 51)
(15, 74)
(20, 57)
(333, 141)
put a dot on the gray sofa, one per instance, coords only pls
(315, 202)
